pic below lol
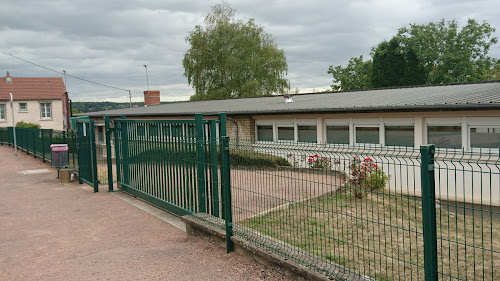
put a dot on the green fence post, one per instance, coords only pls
(200, 165)
(79, 135)
(35, 132)
(125, 157)
(226, 179)
(108, 153)
(43, 147)
(214, 191)
(93, 155)
(429, 212)
(50, 142)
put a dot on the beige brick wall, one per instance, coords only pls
(246, 127)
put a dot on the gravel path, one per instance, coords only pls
(53, 231)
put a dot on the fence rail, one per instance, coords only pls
(37, 142)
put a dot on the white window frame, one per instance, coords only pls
(4, 111)
(276, 137)
(23, 110)
(42, 111)
(264, 123)
(380, 135)
(448, 121)
(480, 149)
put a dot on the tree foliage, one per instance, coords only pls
(355, 76)
(395, 65)
(229, 58)
(450, 55)
(433, 53)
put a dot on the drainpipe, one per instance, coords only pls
(236, 130)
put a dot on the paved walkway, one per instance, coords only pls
(54, 231)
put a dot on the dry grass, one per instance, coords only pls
(381, 236)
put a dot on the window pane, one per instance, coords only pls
(483, 137)
(399, 136)
(285, 133)
(265, 133)
(337, 134)
(367, 135)
(445, 136)
(2, 111)
(307, 134)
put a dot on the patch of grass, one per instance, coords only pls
(385, 240)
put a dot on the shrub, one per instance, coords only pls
(251, 158)
(318, 162)
(21, 124)
(366, 176)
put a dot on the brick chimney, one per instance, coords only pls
(151, 97)
(8, 79)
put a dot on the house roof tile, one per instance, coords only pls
(28, 88)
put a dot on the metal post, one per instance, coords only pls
(226, 179)
(200, 163)
(108, 153)
(43, 147)
(429, 212)
(124, 156)
(93, 156)
(50, 142)
(214, 191)
(79, 131)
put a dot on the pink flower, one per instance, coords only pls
(323, 158)
(289, 155)
(310, 160)
(315, 155)
(368, 159)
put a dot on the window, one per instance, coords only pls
(337, 134)
(3, 116)
(399, 136)
(367, 135)
(485, 137)
(45, 111)
(307, 133)
(265, 132)
(286, 133)
(23, 107)
(445, 136)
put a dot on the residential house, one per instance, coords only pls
(42, 101)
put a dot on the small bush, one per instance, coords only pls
(256, 159)
(21, 124)
(366, 176)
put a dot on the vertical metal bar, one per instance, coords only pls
(214, 169)
(50, 142)
(79, 145)
(124, 159)
(93, 155)
(429, 212)
(200, 167)
(227, 194)
(35, 136)
(222, 133)
(43, 147)
(108, 152)
(117, 151)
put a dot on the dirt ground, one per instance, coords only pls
(54, 231)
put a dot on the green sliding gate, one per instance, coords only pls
(179, 165)
(87, 160)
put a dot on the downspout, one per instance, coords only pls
(236, 130)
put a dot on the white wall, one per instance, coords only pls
(33, 114)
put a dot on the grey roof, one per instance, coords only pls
(442, 97)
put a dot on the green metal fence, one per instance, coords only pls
(37, 142)
(178, 165)
(370, 212)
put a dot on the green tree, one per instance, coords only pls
(230, 59)
(450, 55)
(396, 65)
(355, 76)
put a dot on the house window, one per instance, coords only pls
(399, 136)
(445, 136)
(265, 132)
(485, 137)
(286, 133)
(46, 111)
(337, 134)
(23, 107)
(3, 117)
(369, 135)
(307, 133)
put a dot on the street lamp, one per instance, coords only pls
(147, 80)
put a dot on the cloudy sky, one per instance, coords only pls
(110, 41)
